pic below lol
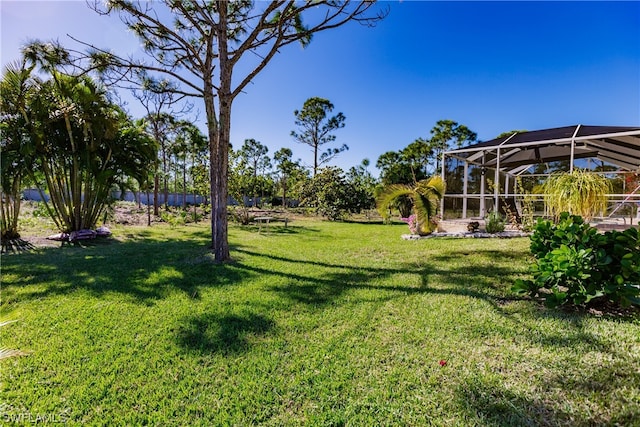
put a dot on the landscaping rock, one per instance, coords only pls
(467, 235)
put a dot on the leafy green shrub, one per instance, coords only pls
(195, 216)
(35, 215)
(240, 214)
(622, 274)
(174, 219)
(494, 223)
(328, 193)
(577, 265)
(570, 230)
(181, 216)
(40, 210)
(205, 208)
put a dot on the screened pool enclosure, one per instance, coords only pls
(504, 171)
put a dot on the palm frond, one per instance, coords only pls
(387, 197)
(434, 187)
(6, 322)
(424, 195)
(5, 353)
(424, 209)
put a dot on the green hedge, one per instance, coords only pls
(577, 265)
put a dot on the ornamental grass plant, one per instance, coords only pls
(579, 192)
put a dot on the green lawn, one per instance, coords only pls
(316, 324)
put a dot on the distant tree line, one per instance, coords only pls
(63, 133)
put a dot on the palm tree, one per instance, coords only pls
(15, 160)
(77, 143)
(425, 196)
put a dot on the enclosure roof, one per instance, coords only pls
(616, 145)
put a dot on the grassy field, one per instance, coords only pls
(314, 324)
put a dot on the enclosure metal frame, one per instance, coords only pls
(616, 146)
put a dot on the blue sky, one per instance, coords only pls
(492, 66)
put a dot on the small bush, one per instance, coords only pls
(174, 219)
(494, 223)
(205, 209)
(527, 221)
(240, 215)
(569, 231)
(40, 210)
(576, 265)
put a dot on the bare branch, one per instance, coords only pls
(105, 61)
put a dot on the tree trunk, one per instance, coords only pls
(218, 152)
(175, 184)
(184, 185)
(222, 165)
(285, 185)
(195, 207)
(284, 193)
(315, 159)
(148, 208)
(156, 184)
(193, 186)
(219, 132)
(165, 178)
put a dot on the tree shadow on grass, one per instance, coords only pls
(225, 334)
(369, 222)
(612, 380)
(479, 280)
(16, 246)
(142, 265)
(149, 268)
(491, 403)
(341, 278)
(279, 229)
(144, 269)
